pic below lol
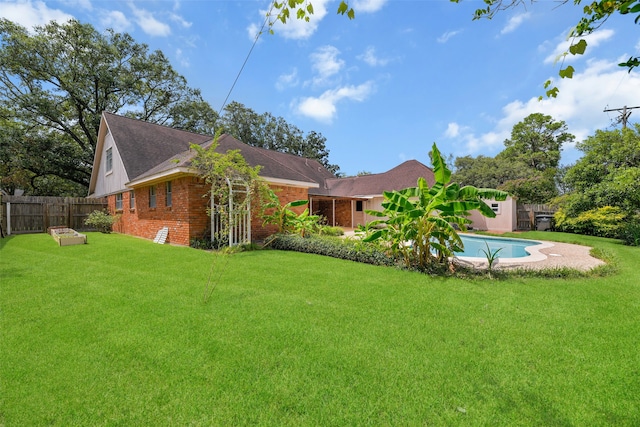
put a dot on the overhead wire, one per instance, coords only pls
(255, 41)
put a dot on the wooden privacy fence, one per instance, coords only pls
(35, 214)
(527, 214)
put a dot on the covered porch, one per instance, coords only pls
(346, 212)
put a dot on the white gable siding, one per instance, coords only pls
(110, 182)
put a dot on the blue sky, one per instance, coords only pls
(383, 87)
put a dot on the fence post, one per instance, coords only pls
(69, 207)
(45, 216)
(8, 218)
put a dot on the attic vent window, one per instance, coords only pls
(109, 166)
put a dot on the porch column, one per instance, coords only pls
(334, 211)
(352, 213)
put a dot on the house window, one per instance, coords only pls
(109, 159)
(152, 196)
(132, 199)
(496, 208)
(358, 205)
(119, 201)
(168, 194)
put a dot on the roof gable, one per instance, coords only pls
(143, 145)
(402, 176)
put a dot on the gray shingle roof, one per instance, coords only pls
(402, 176)
(143, 145)
(148, 149)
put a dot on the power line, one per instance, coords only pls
(624, 114)
(255, 41)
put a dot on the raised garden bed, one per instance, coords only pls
(67, 236)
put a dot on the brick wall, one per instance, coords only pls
(187, 216)
(285, 195)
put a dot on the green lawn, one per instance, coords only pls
(116, 332)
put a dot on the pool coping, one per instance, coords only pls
(545, 255)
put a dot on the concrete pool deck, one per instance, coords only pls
(546, 255)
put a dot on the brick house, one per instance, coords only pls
(144, 171)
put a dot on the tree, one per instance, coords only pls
(487, 172)
(607, 174)
(57, 80)
(274, 133)
(537, 141)
(528, 165)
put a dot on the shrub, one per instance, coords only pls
(607, 221)
(348, 249)
(219, 242)
(630, 233)
(101, 221)
(327, 230)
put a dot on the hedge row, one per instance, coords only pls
(349, 249)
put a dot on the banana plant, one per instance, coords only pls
(420, 222)
(283, 217)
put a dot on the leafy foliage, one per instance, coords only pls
(286, 219)
(630, 233)
(595, 14)
(607, 221)
(101, 221)
(56, 81)
(347, 249)
(527, 167)
(419, 221)
(224, 172)
(303, 9)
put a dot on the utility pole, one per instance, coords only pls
(624, 115)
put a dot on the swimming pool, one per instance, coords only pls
(476, 246)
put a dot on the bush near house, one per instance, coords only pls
(101, 221)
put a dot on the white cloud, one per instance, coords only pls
(287, 80)
(116, 20)
(515, 22)
(446, 36)
(369, 56)
(149, 23)
(593, 40)
(323, 108)
(580, 104)
(453, 130)
(30, 14)
(325, 62)
(180, 20)
(368, 6)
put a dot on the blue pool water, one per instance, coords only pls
(475, 246)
